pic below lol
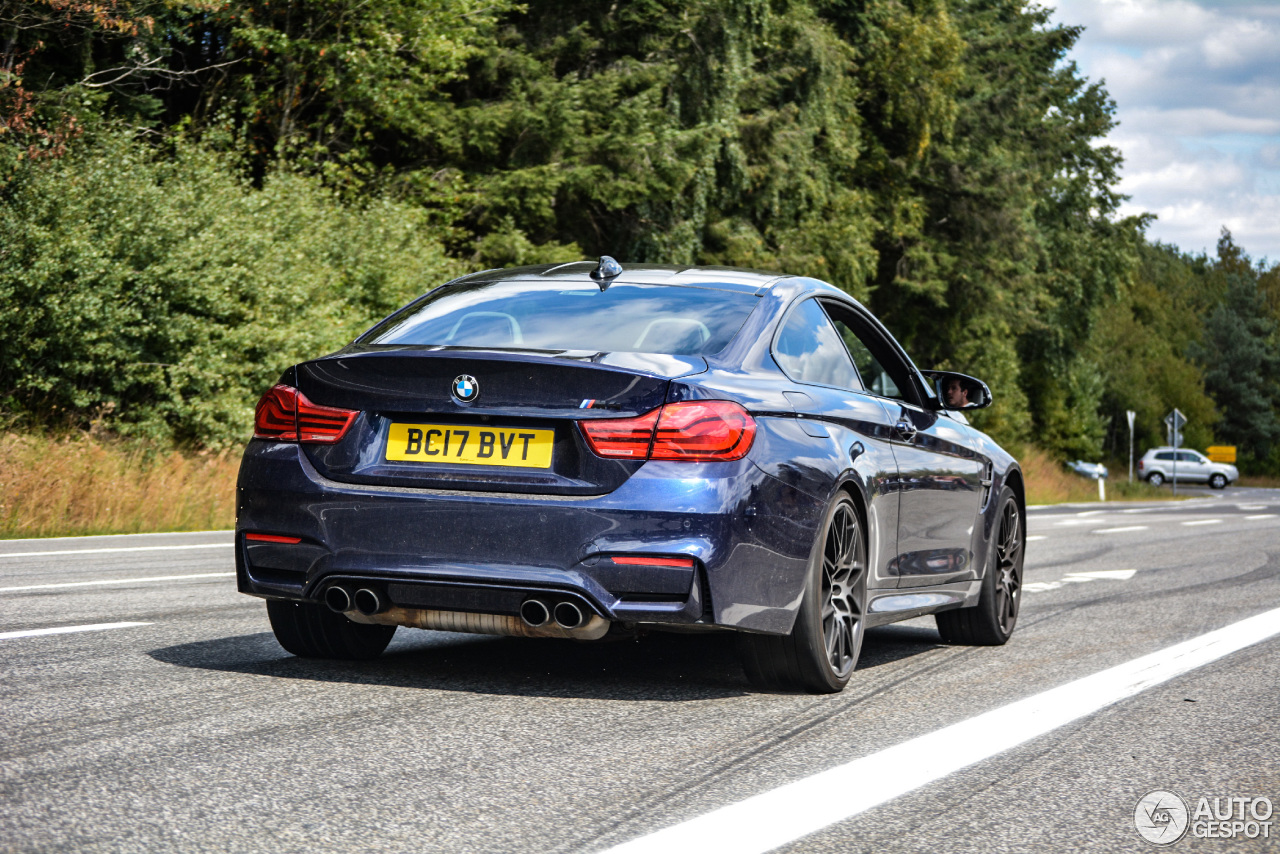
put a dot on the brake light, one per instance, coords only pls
(622, 438)
(285, 415)
(694, 431)
(702, 431)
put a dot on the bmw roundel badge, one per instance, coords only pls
(466, 389)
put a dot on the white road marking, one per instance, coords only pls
(1204, 522)
(1120, 530)
(1261, 516)
(120, 549)
(1251, 506)
(790, 812)
(1090, 512)
(1069, 522)
(1031, 537)
(118, 581)
(66, 630)
(1080, 578)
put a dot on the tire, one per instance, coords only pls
(1217, 481)
(820, 652)
(992, 620)
(313, 631)
(1155, 479)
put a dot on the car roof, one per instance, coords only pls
(719, 278)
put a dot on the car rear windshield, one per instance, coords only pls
(676, 321)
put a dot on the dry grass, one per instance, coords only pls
(1049, 482)
(78, 485)
(1261, 480)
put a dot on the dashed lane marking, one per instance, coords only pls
(103, 582)
(790, 812)
(66, 630)
(119, 549)
(1260, 516)
(1123, 530)
(1080, 578)
(1031, 537)
(1204, 522)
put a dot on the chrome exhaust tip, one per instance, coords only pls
(569, 616)
(368, 602)
(534, 613)
(337, 599)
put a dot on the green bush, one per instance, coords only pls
(158, 292)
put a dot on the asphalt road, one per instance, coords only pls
(191, 730)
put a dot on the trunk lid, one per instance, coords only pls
(413, 430)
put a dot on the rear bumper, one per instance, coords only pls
(749, 536)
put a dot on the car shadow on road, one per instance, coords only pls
(662, 667)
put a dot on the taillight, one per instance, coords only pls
(702, 431)
(694, 431)
(622, 438)
(285, 414)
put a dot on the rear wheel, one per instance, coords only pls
(822, 649)
(1155, 479)
(991, 621)
(1218, 481)
(313, 631)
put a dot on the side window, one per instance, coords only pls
(809, 350)
(875, 376)
(1166, 456)
(1188, 457)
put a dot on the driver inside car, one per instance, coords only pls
(956, 393)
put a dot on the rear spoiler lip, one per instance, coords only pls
(650, 364)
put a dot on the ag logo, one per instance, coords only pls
(466, 389)
(1161, 817)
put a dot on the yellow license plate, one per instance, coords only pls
(477, 446)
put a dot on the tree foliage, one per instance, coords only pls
(171, 171)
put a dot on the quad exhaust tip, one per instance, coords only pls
(569, 615)
(534, 613)
(368, 602)
(337, 599)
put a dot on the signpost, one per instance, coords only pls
(1129, 414)
(1174, 422)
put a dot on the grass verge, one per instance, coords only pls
(1049, 482)
(77, 485)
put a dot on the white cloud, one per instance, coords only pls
(1197, 89)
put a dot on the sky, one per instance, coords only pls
(1197, 91)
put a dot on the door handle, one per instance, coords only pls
(905, 429)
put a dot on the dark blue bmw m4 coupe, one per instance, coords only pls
(588, 451)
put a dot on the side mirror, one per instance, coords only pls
(958, 391)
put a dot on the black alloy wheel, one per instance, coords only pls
(313, 631)
(992, 620)
(822, 649)
(1155, 479)
(1218, 481)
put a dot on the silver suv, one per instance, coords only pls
(1156, 466)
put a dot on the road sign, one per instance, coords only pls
(1221, 453)
(1175, 421)
(1129, 414)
